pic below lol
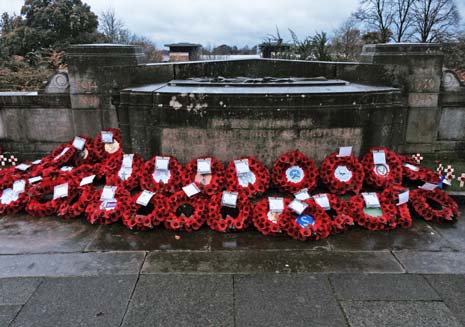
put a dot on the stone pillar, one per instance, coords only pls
(96, 72)
(416, 68)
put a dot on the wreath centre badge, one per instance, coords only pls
(343, 174)
(295, 174)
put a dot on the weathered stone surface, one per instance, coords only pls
(79, 301)
(8, 313)
(59, 119)
(270, 261)
(454, 233)
(71, 264)
(182, 300)
(452, 124)
(382, 287)
(422, 125)
(432, 262)
(285, 300)
(406, 314)
(25, 234)
(16, 291)
(423, 100)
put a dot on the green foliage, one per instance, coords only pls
(48, 24)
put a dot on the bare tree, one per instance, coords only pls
(378, 15)
(347, 43)
(113, 27)
(402, 19)
(434, 20)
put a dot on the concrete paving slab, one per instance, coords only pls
(17, 290)
(254, 240)
(285, 300)
(421, 237)
(454, 233)
(432, 262)
(382, 287)
(24, 234)
(119, 238)
(78, 301)
(8, 313)
(452, 290)
(72, 264)
(182, 300)
(270, 261)
(405, 314)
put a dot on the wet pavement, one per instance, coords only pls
(70, 273)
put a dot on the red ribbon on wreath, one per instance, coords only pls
(143, 218)
(162, 181)
(184, 212)
(223, 219)
(342, 174)
(385, 220)
(435, 205)
(110, 211)
(414, 172)
(294, 171)
(210, 183)
(313, 223)
(265, 220)
(385, 174)
(253, 183)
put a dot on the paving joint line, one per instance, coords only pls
(234, 300)
(27, 301)
(333, 290)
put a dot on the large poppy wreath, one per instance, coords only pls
(414, 172)
(210, 182)
(164, 181)
(339, 212)
(108, 212)
(404, 219)
(294, 171)
(342, 174)
(147, 217)
(374, 219)
(123, 170)
(222, 218)
(382, 175)
(266, 220)
(253, 183)
(184, 212)
(435, 205)
(12, 202)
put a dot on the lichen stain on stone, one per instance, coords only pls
(175, 104)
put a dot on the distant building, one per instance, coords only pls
(184, 51)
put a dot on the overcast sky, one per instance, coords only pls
(215, 22)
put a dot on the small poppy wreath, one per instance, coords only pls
(265, 221)
(342, 174)
(15, 205)
(210, 183)
(294, 171)
(87, 155)
(116, 174)
(340, 214)
(223, 219)
(62, 155)
(75, 205)
(176, 220)
(412, 171)
(435, 205)
(102, 150)
(171, 183)
(42, 203)
(257, 182)
(387, 219)
(404, 219)
(95, 214)
(382, 176)
(143, 218)
(320, 229)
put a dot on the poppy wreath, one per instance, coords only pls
(87, 155)
(176, 220)
(220, 220)
(174, 182)
(95, 214)
(214, 182)
(114, 177)
(412, 171)
(265, 221)
(384, 222)
(404, 219)
(16, 205)
(261, 177)
(144, 218)
(61, 156)
(42, 204)
(350, 171)
(321, 228)
(340, 214)
(75, 205)
(435, 205)
(102, 150)
(393, 174)
(294, 171)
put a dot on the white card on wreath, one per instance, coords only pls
(276, 204)
(19, 186)
(404, 197)
(37, 162)
(107, 136)
(242, 166)
(204, 166)
(379, 157)
(60, 191)
(108, 193)
(191, 190)
(162, 163)
(128, 160)
(345, 151)
(87, 180)
(411, 167)
(145, 198)
(229, 199)
(298, 207)
(428, 186)
(302, 195)
(323, 201)
(23, 167)
(79, 143)
(34, 180)
(371, 200)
